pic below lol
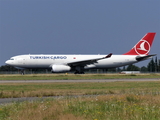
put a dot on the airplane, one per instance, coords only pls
(78, 63)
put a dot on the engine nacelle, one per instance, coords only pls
(60, 68)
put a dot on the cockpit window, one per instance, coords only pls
(12, 59)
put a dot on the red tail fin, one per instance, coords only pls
(143, 46)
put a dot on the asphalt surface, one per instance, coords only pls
(75, 81)
(14, 100)
(10, 100)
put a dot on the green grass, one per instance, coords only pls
(104, 107)
(75, 77)
(8, 90)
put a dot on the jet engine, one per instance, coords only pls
(60, 68)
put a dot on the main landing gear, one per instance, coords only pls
(22, 72)
(78, 72)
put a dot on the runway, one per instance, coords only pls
(76, 81)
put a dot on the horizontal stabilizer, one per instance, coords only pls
(140, 58)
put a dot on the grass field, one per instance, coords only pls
(13, 90)
(111, 100)
(104, 107)
(75, 77)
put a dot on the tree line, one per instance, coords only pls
(153, 66)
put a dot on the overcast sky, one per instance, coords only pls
(76, 26)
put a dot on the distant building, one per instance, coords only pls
(130, 72)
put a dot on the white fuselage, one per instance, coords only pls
(46, 61)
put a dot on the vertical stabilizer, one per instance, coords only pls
(143, 46)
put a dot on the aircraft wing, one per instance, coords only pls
(87, 62)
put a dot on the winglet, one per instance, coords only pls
(108, 56)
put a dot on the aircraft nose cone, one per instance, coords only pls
(8, 62)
